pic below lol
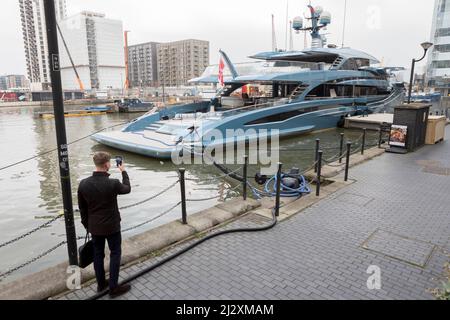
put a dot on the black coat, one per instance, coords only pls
(97, 200)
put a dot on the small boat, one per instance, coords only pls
(72, 114)
(98, 108)
(134, 106)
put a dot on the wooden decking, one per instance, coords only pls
(370, 122)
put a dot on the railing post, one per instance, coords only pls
(319, 173)
(341, 149)
(363, 147)
(347, 163)
(245, 177)
(183, 195)
(316, 155)
(278, 187)
(380, 138)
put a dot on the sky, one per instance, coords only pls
(391, 30)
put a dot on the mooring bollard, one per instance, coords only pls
(347, 163)
(245, 178)
(183, 195)
(363, 147)
(278, 187)
(319, 173)
(341, 149)
(317, 154)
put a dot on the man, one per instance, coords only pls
(97, 200)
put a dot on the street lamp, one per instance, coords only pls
(426, 46)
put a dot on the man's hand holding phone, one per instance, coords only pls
(120, 164)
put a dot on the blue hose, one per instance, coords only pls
(270, 188)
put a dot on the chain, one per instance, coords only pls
(23, 265)
(152, 219)
(151, 198)
(53, 150)
(216, 178)
(31, 232)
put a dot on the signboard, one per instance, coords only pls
(55, 63)
(398, 137)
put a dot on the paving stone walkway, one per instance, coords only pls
(396, 216)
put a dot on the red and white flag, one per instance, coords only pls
(221, 68)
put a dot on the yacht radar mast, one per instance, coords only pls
(320, 19)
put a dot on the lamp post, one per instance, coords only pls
(425, 46)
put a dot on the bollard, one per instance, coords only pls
(183, 196)
(380, 138)
(319, 173)
(341, 150)
(245, 178)
(347, 164)
(278, 193)
(317, 154)
(363, 147)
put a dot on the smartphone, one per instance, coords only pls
(119, 161)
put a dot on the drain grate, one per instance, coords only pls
(437, 170)
(356, 199)
(434, 167)
(412, 251)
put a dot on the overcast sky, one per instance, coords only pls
(391, 30)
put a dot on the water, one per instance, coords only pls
(31, 194)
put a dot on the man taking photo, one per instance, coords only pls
(97, 201)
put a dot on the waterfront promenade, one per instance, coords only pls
(396, 216)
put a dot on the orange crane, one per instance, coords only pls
(80, 83)
(127, 81)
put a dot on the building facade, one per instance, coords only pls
(180, 61)
(3, 83)
(96, 46)
(35, 40)
(143, 65)
(438, 69)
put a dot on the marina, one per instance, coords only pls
(134, 169)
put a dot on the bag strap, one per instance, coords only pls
(87, 237)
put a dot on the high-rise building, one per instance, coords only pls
(34, 33)
(143, 64)
(16, 81)
(96, 46)
(180, 61)
(438, 71)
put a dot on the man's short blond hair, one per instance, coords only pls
(101, 158)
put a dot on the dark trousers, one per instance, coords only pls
(115, 247)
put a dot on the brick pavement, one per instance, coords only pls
(395, 216)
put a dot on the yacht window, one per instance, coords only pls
(282, 116)
(355, 64)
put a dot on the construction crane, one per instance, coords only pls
(127, 77)
(80, 83)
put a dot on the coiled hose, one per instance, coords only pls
(287, 192)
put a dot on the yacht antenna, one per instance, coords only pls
(345, 20)
(274, 36)
(287, 26)
(319, 19)
(291, 39)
